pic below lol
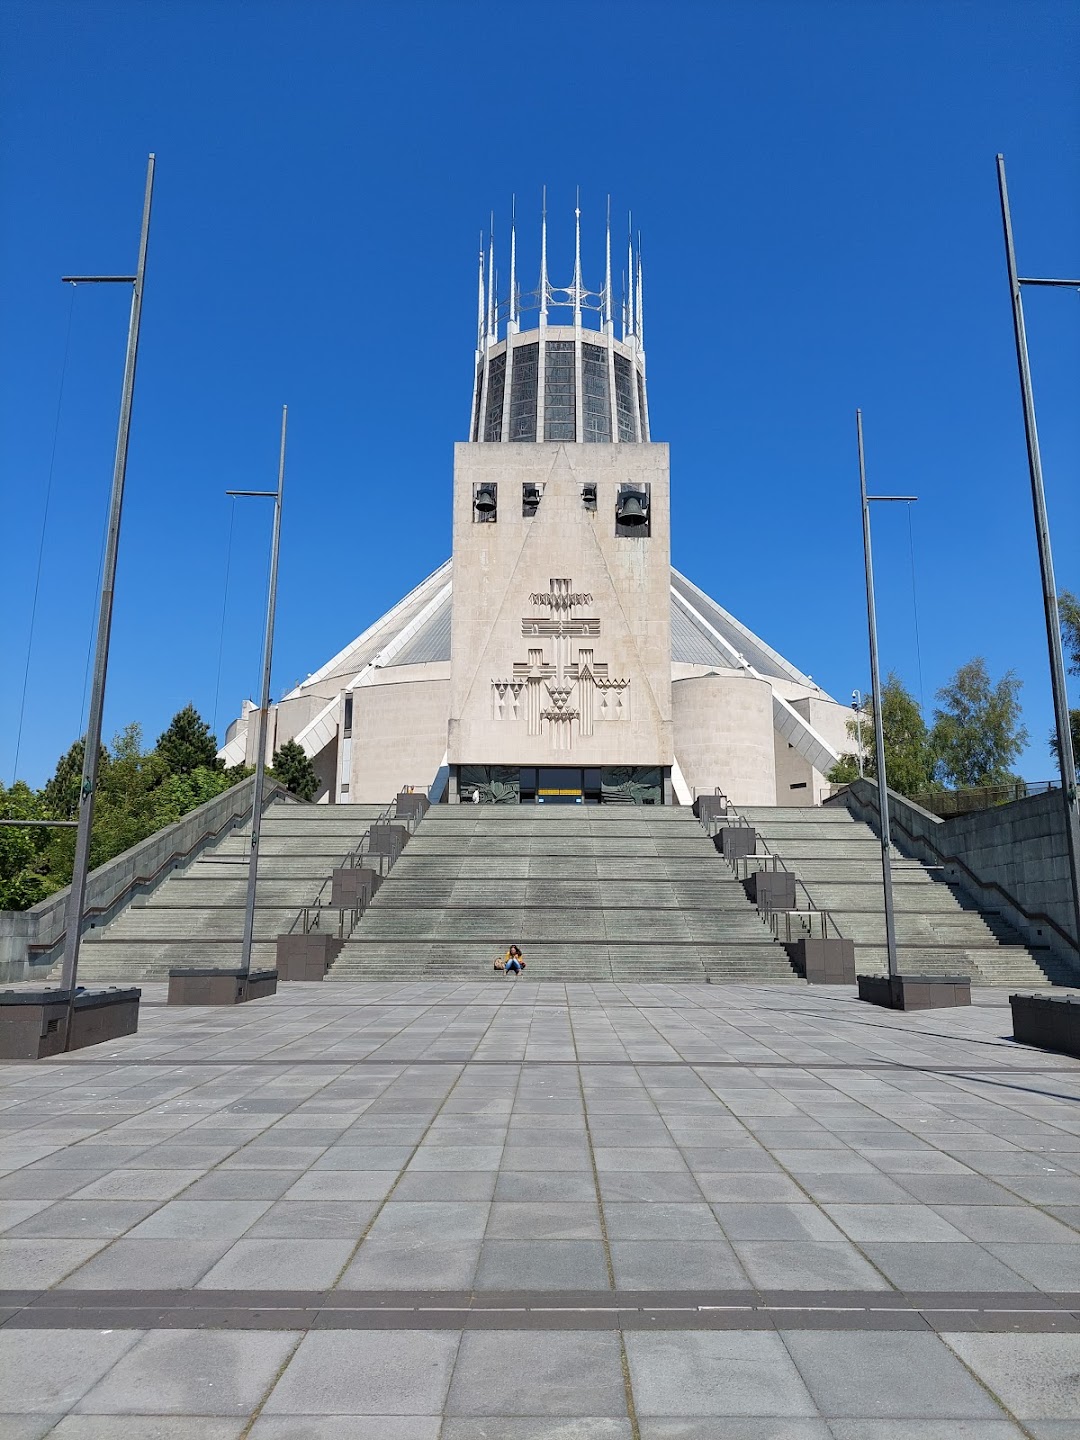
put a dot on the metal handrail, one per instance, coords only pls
(743, 865)
(360, 851)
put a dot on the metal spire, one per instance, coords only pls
(640, 307)
(578, 287)
(511, 327)
(491, 280)
(480, 300)
(543, 263)
(629, 274)
(607, 318)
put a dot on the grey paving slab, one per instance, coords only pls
(676, 1265)
(47, 1371)
(191, 1372)
(928, 1430)
(34, 1264)
(147, 1265)
(148, 1427)
(138, 1185)
(544, 1220)
(395, 1373)
(661, 1220)
(892, 1222)
(27, 1427)
(779, 1221)
(807, 1265)
(570, 1373)
(715, 1373)
(274, 1264)
(545, 1265)
(352, 1427)
(1036, 1376)
(942, 1265)
(901, 1375)
(200, 1220)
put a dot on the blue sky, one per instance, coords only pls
(814, 183)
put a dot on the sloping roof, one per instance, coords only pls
(416, 631)
(702, 633)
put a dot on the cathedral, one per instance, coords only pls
(557, 657)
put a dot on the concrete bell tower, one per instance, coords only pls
(561, 631)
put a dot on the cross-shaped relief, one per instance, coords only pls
(568, 686)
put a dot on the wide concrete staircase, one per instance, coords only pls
(196, 916)
(939, 930)
(621, 893)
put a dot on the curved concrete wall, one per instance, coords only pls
(724, 736)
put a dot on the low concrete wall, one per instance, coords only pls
(1012, 858)
(136, 872)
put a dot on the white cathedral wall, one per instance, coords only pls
(498, 566)
(398, 734)
(724, 736)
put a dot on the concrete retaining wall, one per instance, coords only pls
(1012, 858)
(136, 872)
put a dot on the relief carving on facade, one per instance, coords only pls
(569, 686)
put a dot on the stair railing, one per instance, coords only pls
(815, 922)
(310, 916)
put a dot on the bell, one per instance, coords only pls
(484, 502)
(631, 510)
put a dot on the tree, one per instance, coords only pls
(1074, 728)
(189, 743)
(1069, 614)
(295, 770)
(909, 759)
(977, 734)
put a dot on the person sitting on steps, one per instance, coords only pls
(514, 963)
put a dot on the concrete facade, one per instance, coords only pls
(561, 639)
(724, 736)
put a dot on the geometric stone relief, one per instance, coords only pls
(567, 687)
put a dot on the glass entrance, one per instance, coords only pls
(560, 784)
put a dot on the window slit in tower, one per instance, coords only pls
(523, 393)
(496, 375)
(624, 397)
(560, 397)
(596, 403)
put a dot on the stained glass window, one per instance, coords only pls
(596, 405)
(560, 391)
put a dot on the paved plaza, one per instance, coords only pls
(535, 1211)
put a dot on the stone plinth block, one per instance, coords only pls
(220, 987)
(1050, 1021)
(915, 992)
(353, 887)
(387, 840)
(33, 1022)
(735, 840)
(411, 804)
(709, 807)
(306, 957)
(825, 962)
(772, 890)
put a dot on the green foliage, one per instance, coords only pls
(138, 792)
(1074, 727)
(977, 734)
(909, 757)
(1069, 614)
(188, 744)
(294, 769)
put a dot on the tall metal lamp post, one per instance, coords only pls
(264, 699)
(1066, 757)
(875, 684)
(77, 894)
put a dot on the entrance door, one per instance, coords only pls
(560, 784)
